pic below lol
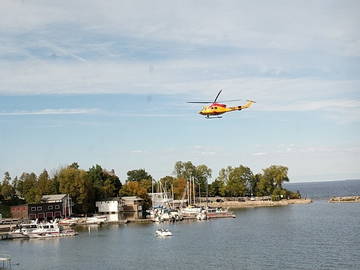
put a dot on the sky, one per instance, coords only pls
(106, 82)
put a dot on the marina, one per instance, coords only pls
(246, 242)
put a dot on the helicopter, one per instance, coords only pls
(215, 109)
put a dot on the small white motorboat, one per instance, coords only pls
(163, 232)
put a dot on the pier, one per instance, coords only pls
(5, 261)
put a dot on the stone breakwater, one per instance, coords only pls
(250, 204)
(345, 199)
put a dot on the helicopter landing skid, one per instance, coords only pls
(213, 117)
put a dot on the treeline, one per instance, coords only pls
(231, 181)
(88, 186)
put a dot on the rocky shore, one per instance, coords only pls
(250, 204)
(345, 199)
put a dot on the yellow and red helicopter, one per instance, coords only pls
(216, 108)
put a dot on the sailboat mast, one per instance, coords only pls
(194, 194)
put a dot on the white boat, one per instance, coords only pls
(21, 230)
(93, 220)
(49, 230)
(163, 232)
(192, 211)
(165, 214)
(201, 216)
(68, 221)
(219, 213)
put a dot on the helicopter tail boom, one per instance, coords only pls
(245, 106)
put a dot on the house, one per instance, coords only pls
(132, 204)
(50, 207)
(110, 206)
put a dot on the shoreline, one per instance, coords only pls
(345, 199)
(253, 204)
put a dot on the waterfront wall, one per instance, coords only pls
(249, 204)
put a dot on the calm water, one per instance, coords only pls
(326, 190)
(314, 236)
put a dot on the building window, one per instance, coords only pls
(57, 206)
(33, 208)
(39, 208)
(50, 207)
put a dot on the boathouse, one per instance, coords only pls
(50, 207)
(132, 204)
(110, 206)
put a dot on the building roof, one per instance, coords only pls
(131, 198)
(55, 197)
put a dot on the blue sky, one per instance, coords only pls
(107, 83)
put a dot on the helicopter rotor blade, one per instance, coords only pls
(200, 102)
(231, 100)
(217, 96)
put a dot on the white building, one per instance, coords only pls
(109, 206)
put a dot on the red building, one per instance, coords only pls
(19, 211)
(50, 207)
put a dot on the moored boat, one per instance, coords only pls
(163, 232)
(49, 230)
(94, 220)
(219, 213)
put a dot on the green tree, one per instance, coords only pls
(216, 187)
(271, 181)
(27, 186)
(138, 175)
(202, 174)
(44, 183)
(76, 183)
(106, 184)
(184, 170)
(7, 190)
(167, 184)
(238, 178)
(198, 174)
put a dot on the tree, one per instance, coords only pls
(27, 186)
(271, 181)
(167, 184)
(106, 184)
(7, 190)
(184, 170)
(76, 183)
(44, 183)
(215, 188)
(138, 175)
(238, 178)
(198, 174)
(202, 173)
(179, 188)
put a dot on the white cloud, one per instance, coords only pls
(259, 154)
(294, 25)
(50, 112)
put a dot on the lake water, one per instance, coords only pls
(313, 236)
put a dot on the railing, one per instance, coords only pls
(5, 261)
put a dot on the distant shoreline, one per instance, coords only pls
(345, 199)
(252, 204)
